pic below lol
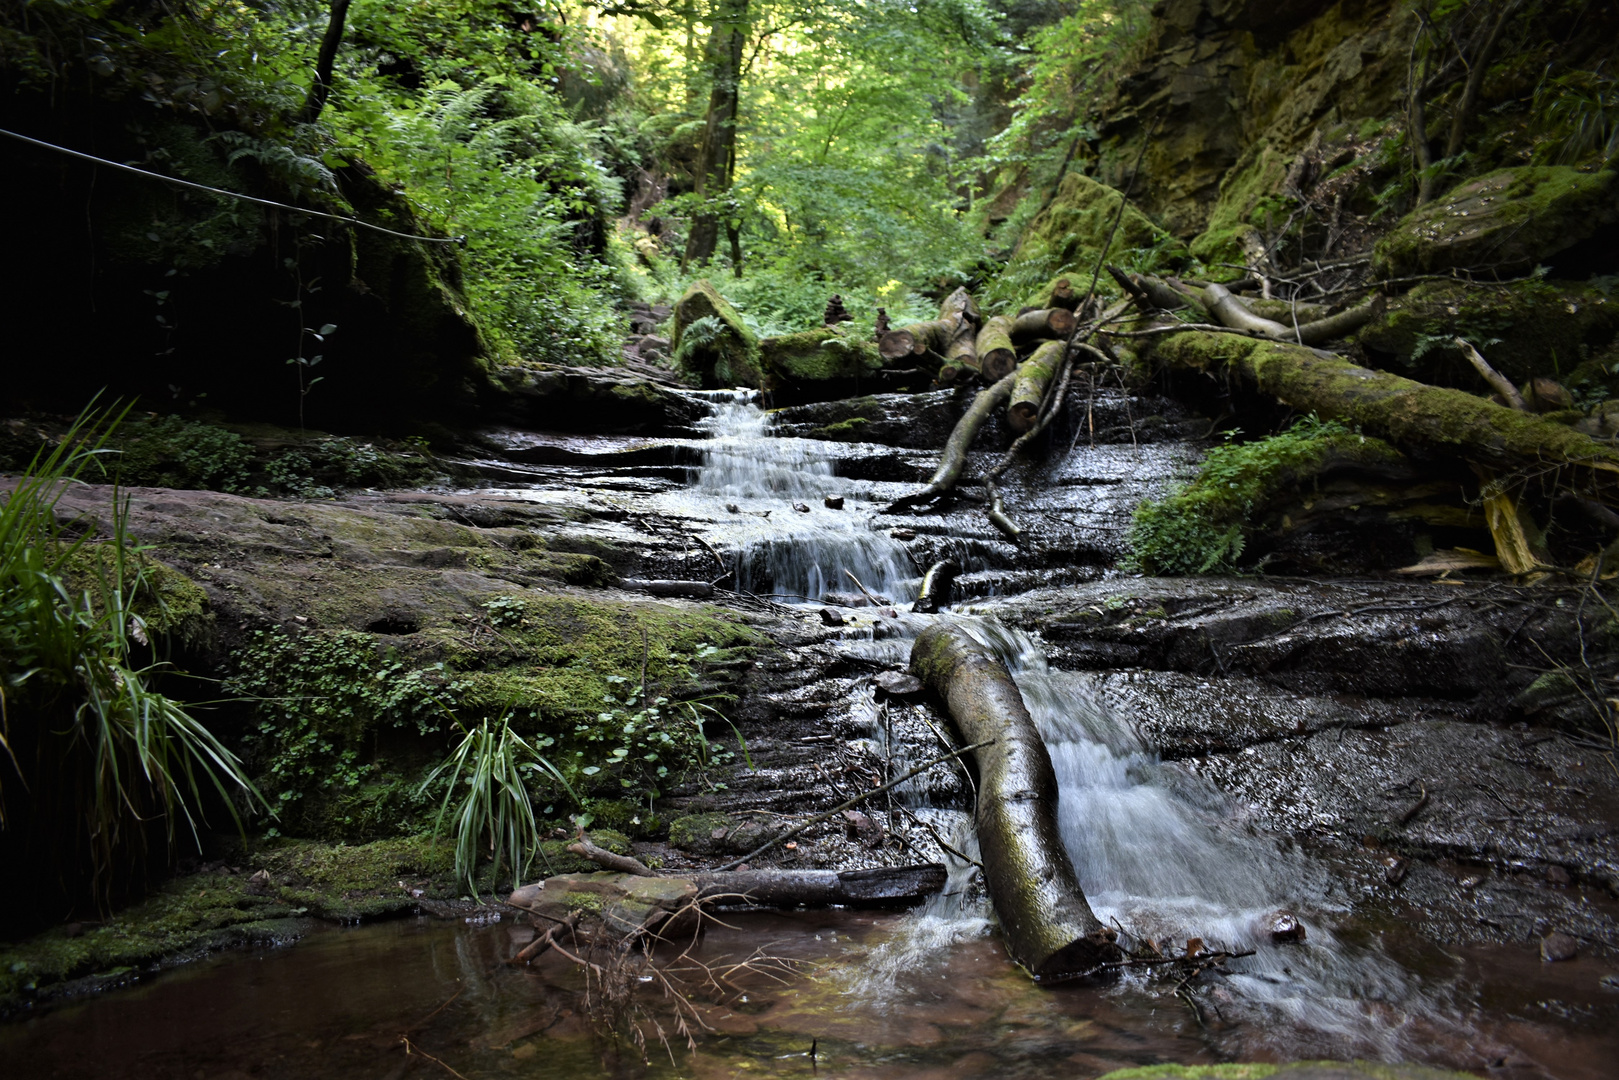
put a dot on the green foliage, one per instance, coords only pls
(1577, 115)
(643, 742)
(319, 703)
(92, 751)
(1202, 528)
(486, 788)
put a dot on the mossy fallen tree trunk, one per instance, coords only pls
(1411, 414)
(960, 311)
(1029, 387)
(820, 355)
(1049, 927)
(997, 356)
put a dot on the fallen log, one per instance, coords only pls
(961, 310)
(1048, 925)
(1043, 325)
(915, 339)
(1061, 294)
(1029, 387)
(1404, 412)
(1232, 312)
(954, 456)
(997, 356)
(880, 886)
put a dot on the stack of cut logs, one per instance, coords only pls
(965, 345)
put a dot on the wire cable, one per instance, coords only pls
(461, 240)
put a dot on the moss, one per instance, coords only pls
(1248, 201)
(1069, 236)
(850, 430)
(1507, 221)
(173, 607)
(555, 858)
(711, 340)
(197, 913)
(818, 356)
(1524, 329)
(1203, 527)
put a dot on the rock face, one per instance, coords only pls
(1506, 223)
(1233, 91)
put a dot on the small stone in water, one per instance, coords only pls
(1557, 875)
(733, 508)
(1284, 926)
(902, 534)
(888, 613)
(831, 616)
(833, 502)
(1395, 868)
(1557, 946)
(801, 508)
(1471, 881)
(898, 683)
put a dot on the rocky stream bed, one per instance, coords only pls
(1366, 754)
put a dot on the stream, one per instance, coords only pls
(1160, 852)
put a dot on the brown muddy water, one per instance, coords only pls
(883, 995)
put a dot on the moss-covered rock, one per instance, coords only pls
(1524, 329)
(718, 834)
(1069, 236)
(1250, 203)
(554, 857)
(1298, 1070)
(1505, 222)
(823, 355)
(712, 342)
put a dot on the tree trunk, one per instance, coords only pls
(1232, 312)
(915, 339)
(321, 88)
(937, 586)
(1404, 412)
(997, 356)
(1061, 294)
(1048, 925)
(1029, 387)
(716, 161)
(961, 312)
(880, 886)
(1475, 82)
(1043, 324)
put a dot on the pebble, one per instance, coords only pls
(733, 508)
(1557, 875)
(833, 502)
(1395, 868)
(801, 508)
(1557, 946)
(831, 616)
(888, 613)
(902, 534)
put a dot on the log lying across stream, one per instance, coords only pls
(1048, 925)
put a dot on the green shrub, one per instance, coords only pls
(1203, 527)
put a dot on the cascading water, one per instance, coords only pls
(1158, 851)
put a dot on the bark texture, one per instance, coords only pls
(1043, 325)
(1407, 413)
(1029, 387)
(1048, 924)
(997, 356)
(880, 886)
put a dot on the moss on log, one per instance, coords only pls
(1048, 925)
(1408, 413)
(711, 340)
(817, 356)
(997, 356)
(1029, 387)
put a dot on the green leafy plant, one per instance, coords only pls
(1202, 528)
(93, 752)
(487, 798)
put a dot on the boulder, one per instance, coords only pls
(712, 342)
(1506, 222)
